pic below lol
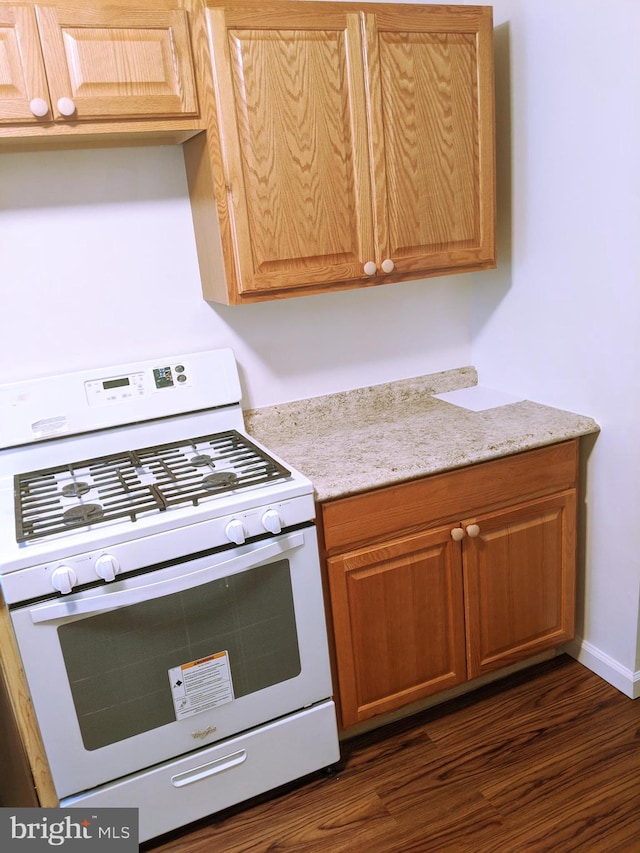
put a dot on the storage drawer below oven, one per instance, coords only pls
(178, 792)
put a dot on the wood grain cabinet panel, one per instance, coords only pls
(398, 622)
(519, 580)
(22, 74)
(67, 71)
(291, 94)
(355, 143)
(419, 611)
(118, 63)
(432, 135)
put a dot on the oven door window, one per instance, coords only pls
(118, 662)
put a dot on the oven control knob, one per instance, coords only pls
(235, 531)
(107, 567)
(271, 521)
(63, 579)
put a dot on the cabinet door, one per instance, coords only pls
(519, 574)
(398, 622)
(22, 75)
(430, 78)
(290, 90)
(115, 63)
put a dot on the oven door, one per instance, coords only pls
(131, 673)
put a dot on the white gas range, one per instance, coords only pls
(161, 570)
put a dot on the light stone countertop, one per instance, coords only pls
(354, 441)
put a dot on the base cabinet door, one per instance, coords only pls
(398, 622)
(519, 578)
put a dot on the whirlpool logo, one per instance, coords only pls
(29, 830)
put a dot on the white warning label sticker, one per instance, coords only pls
(201, 685)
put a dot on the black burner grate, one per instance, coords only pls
(136, 482)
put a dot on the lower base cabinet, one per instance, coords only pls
(438, 581)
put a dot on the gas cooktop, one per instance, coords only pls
(133, 483)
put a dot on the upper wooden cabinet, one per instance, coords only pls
(65, 65)
(349, 145)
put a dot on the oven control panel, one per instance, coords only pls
(108, 390)
(72, 404)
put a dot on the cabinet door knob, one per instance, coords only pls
(39, 107)
(387, 265)
(473, 530)
(370, 268)
(66, 107)
(457, 534)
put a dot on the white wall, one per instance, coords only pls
(559, 320)
(98, 266)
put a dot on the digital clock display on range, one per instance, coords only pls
(115, 383)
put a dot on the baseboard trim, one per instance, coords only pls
(623, 679)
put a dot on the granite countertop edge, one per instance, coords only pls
(354, 441)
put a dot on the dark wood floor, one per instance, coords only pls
(546, 760)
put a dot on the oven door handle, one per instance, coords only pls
(107, 600)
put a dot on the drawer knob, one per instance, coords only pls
(473, 530)
(457, 534)
(370, 268)
(387, 265)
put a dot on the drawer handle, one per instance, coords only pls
(473, 530)
(209, 769)
(457, 534)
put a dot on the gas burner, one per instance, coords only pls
(83, 514)
(201, 459)
(75, 490)
(219, 480)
